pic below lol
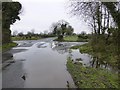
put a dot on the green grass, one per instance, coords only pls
(87, 77)
(8, 46)
(23, 38)
(73, 38)
(85, 48)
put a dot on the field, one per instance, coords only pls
(24, 38)
(72, 38)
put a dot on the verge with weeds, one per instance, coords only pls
(8, 46)
(88, 77)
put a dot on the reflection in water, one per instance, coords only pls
(88, 60)
(60, 48)
(45, 65)
(75, 55)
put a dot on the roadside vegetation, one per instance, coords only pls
(103, 46)
(82, 37)
(75, 38)
(85, 48)
(106, 57)
(72, 38)
(10, 13)
(8, 46)
(88, 77)
(30, 35)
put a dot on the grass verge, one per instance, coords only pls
(85, 48)
(74, 38)
(8, 46)
(87, 77)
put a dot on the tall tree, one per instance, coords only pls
(10, 12)
(114, 9)
(62, 28)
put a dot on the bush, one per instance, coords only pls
(82, 36)
(60, 37)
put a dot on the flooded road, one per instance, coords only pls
(39, 64)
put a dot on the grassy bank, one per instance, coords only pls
(73, 38)
(85, 48)
(24, 38)
(87, 77)
(8, 46)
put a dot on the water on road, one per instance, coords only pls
(40, 64)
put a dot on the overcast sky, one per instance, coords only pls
(40, 14)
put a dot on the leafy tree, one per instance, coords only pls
(69, 30)
(10, 12)
(62, 28)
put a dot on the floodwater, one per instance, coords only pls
(42, 64)
(38, 64)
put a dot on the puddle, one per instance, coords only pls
(76, 56)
